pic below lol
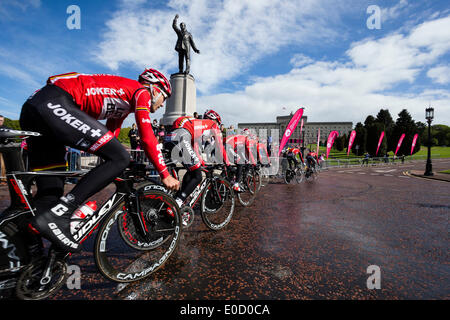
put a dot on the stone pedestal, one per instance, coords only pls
(183, 99)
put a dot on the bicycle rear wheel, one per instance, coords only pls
(217, 206)
(122, 254)
(248, 195)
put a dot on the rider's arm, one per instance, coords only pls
(148, 140)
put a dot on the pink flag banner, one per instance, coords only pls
(290, 128)
(331, 137)
(350, 141)
(379, 142)
(414, 142)
(399, 143)
(301, 127)
(318, 141)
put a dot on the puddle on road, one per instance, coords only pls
(433, 206)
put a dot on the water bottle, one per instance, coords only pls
(83, 212)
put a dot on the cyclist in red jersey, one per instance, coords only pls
(312, 159)
(186, 138)
(240, 146)
(292, 155)
(263, 155)
(66, 112)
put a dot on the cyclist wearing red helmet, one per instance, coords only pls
(186, 138)
(65, 112)
(241, 147)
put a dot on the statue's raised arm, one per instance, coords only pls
(174, 24)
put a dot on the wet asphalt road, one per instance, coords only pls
(309, 241)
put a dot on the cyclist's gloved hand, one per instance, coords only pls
(171, 183)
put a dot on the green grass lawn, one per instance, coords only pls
(445, 171)
(443, 152)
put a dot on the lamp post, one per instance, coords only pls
(429, 115)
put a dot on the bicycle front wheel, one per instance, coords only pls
(217, 206)
(299, 174)
(122, 254)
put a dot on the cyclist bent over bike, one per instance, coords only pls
(65, 112)
(186, 139)
(293, 154)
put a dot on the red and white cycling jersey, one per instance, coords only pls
(263, 155)
(201, 128)
(239, 141)
(113, 98)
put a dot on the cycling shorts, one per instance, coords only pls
(52, 112)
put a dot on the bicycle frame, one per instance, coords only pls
(19, 184)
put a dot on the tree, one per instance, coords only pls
(360, 139)
(385, 119)
(123, 136)
(339, 143)
(12, 124)
(440, 132)
(404, 124)
(373, 130)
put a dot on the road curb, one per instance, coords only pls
(409, 173)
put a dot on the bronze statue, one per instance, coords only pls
(183, 46)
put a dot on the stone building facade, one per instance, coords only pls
(310, 129)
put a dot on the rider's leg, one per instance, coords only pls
(240, 169)
(182, 141)
(52, 112)
(190, 181)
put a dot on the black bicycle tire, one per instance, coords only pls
(240, 194)
(204, 213)
(104, 266)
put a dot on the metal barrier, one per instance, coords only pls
(376, 161)
(88, 161)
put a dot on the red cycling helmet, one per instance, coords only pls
(154, 77)
(212, 115)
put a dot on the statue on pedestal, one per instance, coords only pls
(183, 45)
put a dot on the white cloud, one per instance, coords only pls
(394, 11)
(350, 90)
(299, 60)
(231, 34)
(440, 74)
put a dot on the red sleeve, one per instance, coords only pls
(248, 146)
(148, 140)
(218, 134)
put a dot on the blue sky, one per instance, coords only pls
(259, 59)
